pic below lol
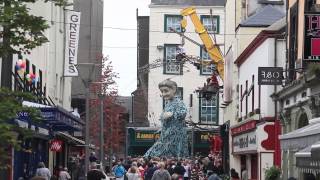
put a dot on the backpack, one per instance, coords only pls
(119, 171)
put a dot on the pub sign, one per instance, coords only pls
(270, 75)
(311, 37)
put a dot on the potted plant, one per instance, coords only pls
(272, 173)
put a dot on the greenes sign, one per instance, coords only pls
(146, 136)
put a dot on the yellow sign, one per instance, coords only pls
(147, 136)
(205, 136)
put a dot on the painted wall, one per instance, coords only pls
(49, 57)
(191, 78)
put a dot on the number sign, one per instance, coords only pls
(270, 75)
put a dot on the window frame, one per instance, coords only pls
(202, 49)
(165, 61)
(212, 122)
(202, 17)
(166, 16)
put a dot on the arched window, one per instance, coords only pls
(303, 120)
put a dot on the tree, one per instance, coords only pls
(10, 107)
(21, 32)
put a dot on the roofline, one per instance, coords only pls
(261, 37)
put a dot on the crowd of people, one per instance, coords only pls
(201, 168)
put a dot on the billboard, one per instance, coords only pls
(312, 37)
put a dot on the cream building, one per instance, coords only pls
(163, 46)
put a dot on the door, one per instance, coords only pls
(254, 167)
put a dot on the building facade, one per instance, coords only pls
(244, 21)
(163, 48)
(299, 98)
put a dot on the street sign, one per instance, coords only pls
(270, 75)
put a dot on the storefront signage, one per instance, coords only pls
(270, 75)
(204, 137)
(244, 127)
(245, 142)
(145, 136)
(71, 45)
(311, 37)
(56, 145)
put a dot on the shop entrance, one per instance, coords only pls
(254, 167)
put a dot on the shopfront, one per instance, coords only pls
(253, 145)
(38, 147)
(142, 138)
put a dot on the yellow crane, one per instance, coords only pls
(211, 47)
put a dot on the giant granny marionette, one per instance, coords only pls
(173, 136)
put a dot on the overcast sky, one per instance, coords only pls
(120, 44)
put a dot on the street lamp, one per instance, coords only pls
(86, 74)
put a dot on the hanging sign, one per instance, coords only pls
(311, 37)
(56, 145)
(270, 75)
(72, 29)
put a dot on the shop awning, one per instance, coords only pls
(305, 161)
(71, 139)
(301, 138)
(61, 120)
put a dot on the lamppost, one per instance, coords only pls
(86, 76)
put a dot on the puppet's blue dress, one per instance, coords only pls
(173, 141)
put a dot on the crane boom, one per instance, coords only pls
(210, 45)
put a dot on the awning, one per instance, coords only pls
(74, 140)
(305, 161)
(301, 138)
(71, 139)
(61, 120)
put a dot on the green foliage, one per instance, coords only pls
(10, 106)
(22, 31)
(272, 173)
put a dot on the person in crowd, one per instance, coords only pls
(152, 167)
(179, 169)
(234, 174)
(133, 172)
(42, 171)
(93, 157)
(244, 174)
(161, 173)
(63, 174)
(119, 171)
(95, 173)
(187, 169)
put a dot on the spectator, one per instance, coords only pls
(42, 171)
(179, 169)
(93, 157)
(234, 174)
(63, 174)
(161, 173)
(150, 171)
(133, 172)
(119, 171)
(187, 170)
(94, 173)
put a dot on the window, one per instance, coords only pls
(308, 5)
(172, 21)
(208, 111)
(179, 94)
(211, 23)
(171, 66)
(206, 67)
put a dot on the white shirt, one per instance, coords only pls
(44, 172)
